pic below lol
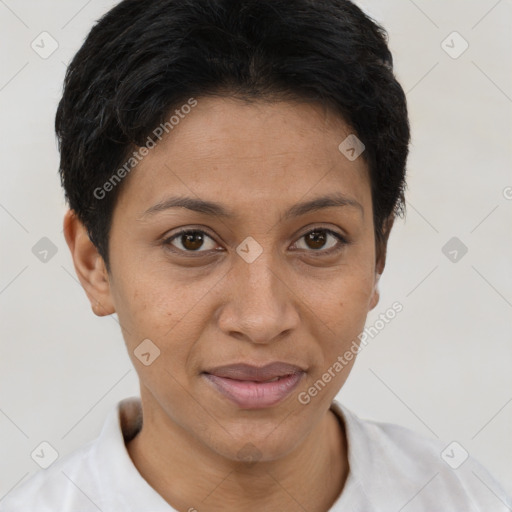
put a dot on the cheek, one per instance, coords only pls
(345, 295)
(153, 306)
(341, 306)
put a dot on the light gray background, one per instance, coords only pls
(442, 367)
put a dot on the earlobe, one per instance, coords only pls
(89, 265)
(376, 294)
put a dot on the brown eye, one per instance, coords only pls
(191, 241)
(322, 240)
(315, 239)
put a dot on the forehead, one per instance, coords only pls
(228, 150)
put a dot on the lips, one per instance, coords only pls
(253, 387)
(255, 373)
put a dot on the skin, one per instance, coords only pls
(294, 303)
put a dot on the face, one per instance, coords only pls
(257, 279)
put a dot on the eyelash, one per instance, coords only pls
(320, 252)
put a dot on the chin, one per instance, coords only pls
(265, 445)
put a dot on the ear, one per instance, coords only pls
(380, 260)
(89, 265)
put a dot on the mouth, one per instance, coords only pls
(252, 387)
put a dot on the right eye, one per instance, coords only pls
(190, 240)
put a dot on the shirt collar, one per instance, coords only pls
(353, 495)
(117, 469)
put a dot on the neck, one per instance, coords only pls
(190, 476)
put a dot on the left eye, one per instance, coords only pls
(319, 237)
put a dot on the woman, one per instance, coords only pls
(233, 171)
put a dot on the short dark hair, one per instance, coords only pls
(146, 57)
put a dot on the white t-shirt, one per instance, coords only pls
(391, 469)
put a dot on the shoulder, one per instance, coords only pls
(63, 484)
(397, 465)
(97, 476)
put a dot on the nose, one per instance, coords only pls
(260, 304)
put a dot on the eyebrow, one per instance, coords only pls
(216, 209)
